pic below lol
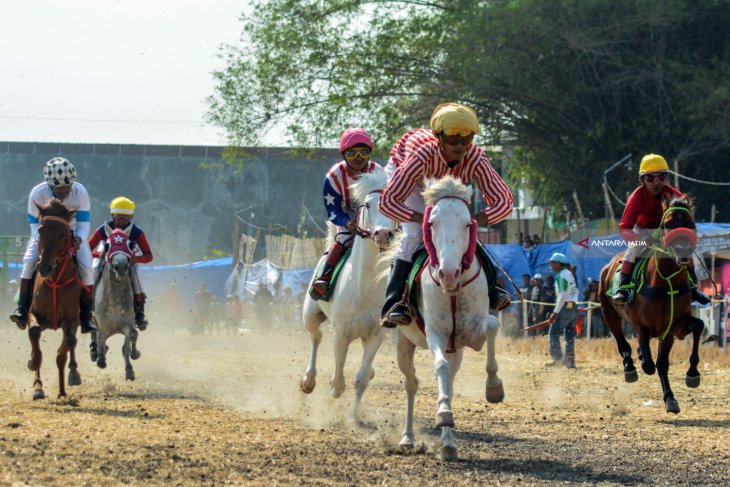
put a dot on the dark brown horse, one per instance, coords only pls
(56, 295)
(662, 307)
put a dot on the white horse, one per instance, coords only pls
(354, 306)
(454, 303)
(114, 309)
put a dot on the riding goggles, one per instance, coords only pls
(456, 139)
(362, 153)
(661, 176)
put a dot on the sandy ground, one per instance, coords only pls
(213, 410)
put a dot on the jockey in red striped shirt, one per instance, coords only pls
(355, 147)
(445, 149)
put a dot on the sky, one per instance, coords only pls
(112, 71)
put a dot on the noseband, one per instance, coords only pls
(360, 231)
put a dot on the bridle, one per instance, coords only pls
(361, 231)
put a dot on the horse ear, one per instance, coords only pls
(689, 199)
(40, 208)
(70, 215)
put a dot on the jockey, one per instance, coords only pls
(355, 147)
(60, 183)
(642, 215)
(122, 210)
(421, 153)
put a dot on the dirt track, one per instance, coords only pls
(214, 410)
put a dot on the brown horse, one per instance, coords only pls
(662, 307)
(56, 295)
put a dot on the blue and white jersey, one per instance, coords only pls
(337, 202)
(77, 199)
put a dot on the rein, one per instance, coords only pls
(362, 232)
(64, 256)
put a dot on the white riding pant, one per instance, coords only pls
(412, 232)
(83, 259)
(635, 249)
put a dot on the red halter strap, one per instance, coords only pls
(360, 231)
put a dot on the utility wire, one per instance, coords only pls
(94, 120)
(712, 183)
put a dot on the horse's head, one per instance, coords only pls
(371, 223)
(678, 228)
(449, 233)
(119, 256)
(54, 234)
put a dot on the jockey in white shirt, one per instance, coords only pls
(60, 183)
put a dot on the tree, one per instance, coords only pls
(574, 85)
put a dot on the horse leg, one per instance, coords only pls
(101, 347)
(692, 379)
(437, 345)
(38, 387)
(93, 352)
(312, 319)
(613, 322)
(61, 357)
(337, 384)
(449, 452)
(127, 353)
(133, 336)
(74, 378)
(371, 345)
(36, 355)
(647, 363)
(495, 389)
(405, 353)
(662, 363)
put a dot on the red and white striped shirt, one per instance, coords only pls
(418, 156)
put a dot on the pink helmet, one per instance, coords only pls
(352, 137)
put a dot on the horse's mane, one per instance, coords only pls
(448, 186)
(54, 208)
(368, 182)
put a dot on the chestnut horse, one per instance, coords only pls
(56, 294)
(662, 306)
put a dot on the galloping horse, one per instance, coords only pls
(354, 306)
(56, 295)
(662, 306)
(454, 303)
(115, 304)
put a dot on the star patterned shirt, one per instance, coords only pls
(336, 192)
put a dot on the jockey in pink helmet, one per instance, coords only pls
(355, 147)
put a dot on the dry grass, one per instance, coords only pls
(227, 410)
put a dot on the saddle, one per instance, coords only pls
(639, 284)
(334, 274)
(420, 263)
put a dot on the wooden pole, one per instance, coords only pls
(676, 173)
(609, 206)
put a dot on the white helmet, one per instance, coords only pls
(59, 172)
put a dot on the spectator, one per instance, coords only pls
(527, 243)
(535, 315)
(548, 296)
(233, 312)
(590, 295)
(526, 293)
(565, 315)
(536, 239)
(263, 301)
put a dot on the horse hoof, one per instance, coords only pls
(33, 367)
(692, 381)
(449, 454)
(648, 369)
(445, 419)
(672, 406)
(94, 355)
(305, 388)
(101, 363)
(337, 392)
(406, 443)
(74, 378)
(130, 374)
(135, 355)
(495, 394)
(631, 375)
(38, 394)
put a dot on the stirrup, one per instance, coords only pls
(89, 327)
(621, 297)
(317, 293)
(399, 315)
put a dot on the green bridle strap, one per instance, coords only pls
(658, 231)
(671, 293)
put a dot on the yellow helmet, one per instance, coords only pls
(652, 163)
(454, 119)
(122, 206)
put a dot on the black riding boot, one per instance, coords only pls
(697, 295)
(139, 318)
(25, 297)
(622, 295)
(395, 310)
(86, 304)
(499, 298)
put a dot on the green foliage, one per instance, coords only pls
(572, 85)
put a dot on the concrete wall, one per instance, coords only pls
(184, 208)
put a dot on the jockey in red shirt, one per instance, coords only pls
(122, 210)
(355, 147)
(445, 149)
(642, 216)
